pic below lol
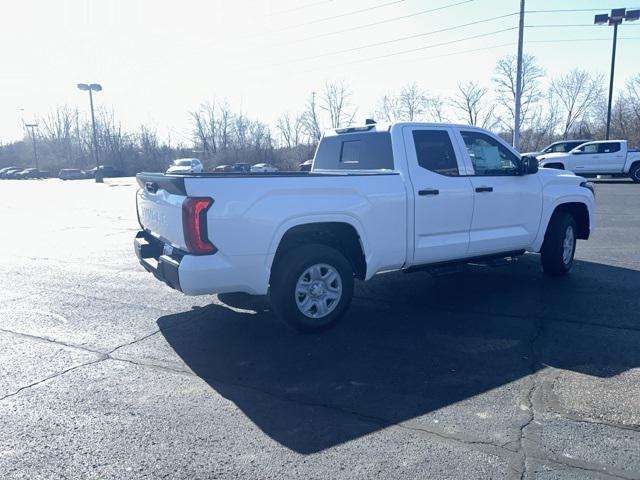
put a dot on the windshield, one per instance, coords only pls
(182, 163)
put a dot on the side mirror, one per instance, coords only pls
(528, 165)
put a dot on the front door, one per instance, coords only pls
(507, 206)
(442, 196)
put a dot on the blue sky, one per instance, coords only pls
(158, 59)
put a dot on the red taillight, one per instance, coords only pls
(194, 224)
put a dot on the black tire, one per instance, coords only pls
(290, 268)
(634, 172)
(555, 259)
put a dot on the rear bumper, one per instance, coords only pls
(202, 274)
(149, 252)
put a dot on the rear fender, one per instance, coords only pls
(288, 224)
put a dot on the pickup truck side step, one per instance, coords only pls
(457, 266)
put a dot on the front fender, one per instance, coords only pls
(552, 202)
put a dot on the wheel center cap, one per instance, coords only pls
(317, 289)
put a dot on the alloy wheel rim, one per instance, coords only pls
(568, 245)
(318, 291)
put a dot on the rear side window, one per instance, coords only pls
(610, 147)
(435, 152)
(355, 151)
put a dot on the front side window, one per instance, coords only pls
(587, 148)
(435, 152)
(488, 156)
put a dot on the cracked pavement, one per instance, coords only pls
(493, 373)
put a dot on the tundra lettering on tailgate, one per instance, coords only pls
(152, 218)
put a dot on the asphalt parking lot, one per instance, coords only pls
(494, 373)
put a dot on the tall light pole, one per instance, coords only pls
(32, 127)
(614, 19)
(93, 87)
(516, 115)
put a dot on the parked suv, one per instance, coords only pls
(186, 165)
(562, 146)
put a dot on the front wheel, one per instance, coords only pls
(634, 173)
(559, 245)
(311, 287)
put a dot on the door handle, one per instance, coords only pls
(484, 189)
(429, 191)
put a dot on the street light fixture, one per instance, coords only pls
(32, 127)
(93, 87)
(614, 19)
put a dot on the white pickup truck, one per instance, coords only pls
(405, 196)
(607, 157)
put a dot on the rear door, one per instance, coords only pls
(443, 196)
(612, 157)
(507, 206)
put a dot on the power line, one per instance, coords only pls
(395, 40)
(573, 25)
(560, 10)
(482, 35)
(332, 17)
(381, 22)
(581, 40)
(473, 50)
(301, 7)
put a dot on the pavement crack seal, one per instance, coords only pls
(520, 443)
(39, 338)
(55, 375)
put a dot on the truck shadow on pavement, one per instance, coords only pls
(411, 345)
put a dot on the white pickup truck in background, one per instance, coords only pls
(405, 196)
(606, 157)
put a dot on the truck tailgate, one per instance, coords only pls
(159, 203)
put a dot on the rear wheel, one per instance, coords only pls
(634, 173)
(311, 287)
(559, 245)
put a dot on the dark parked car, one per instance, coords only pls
(223, 168)
(241, 167)
(71, 174)
(107, 171)
(8, 171)
(11, 173)
(305, 166)
(30, 173)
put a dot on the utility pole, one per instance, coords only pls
(516, 127)
(93, 87)
(614, 19)
(613, 67)
(32, 127)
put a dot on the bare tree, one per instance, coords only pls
(471, 102)
(388, 109)
(436, 110)
(291, 129)
(336, 102)
(311, 119)
(577, 93)
(412, 101)
(505, 82)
